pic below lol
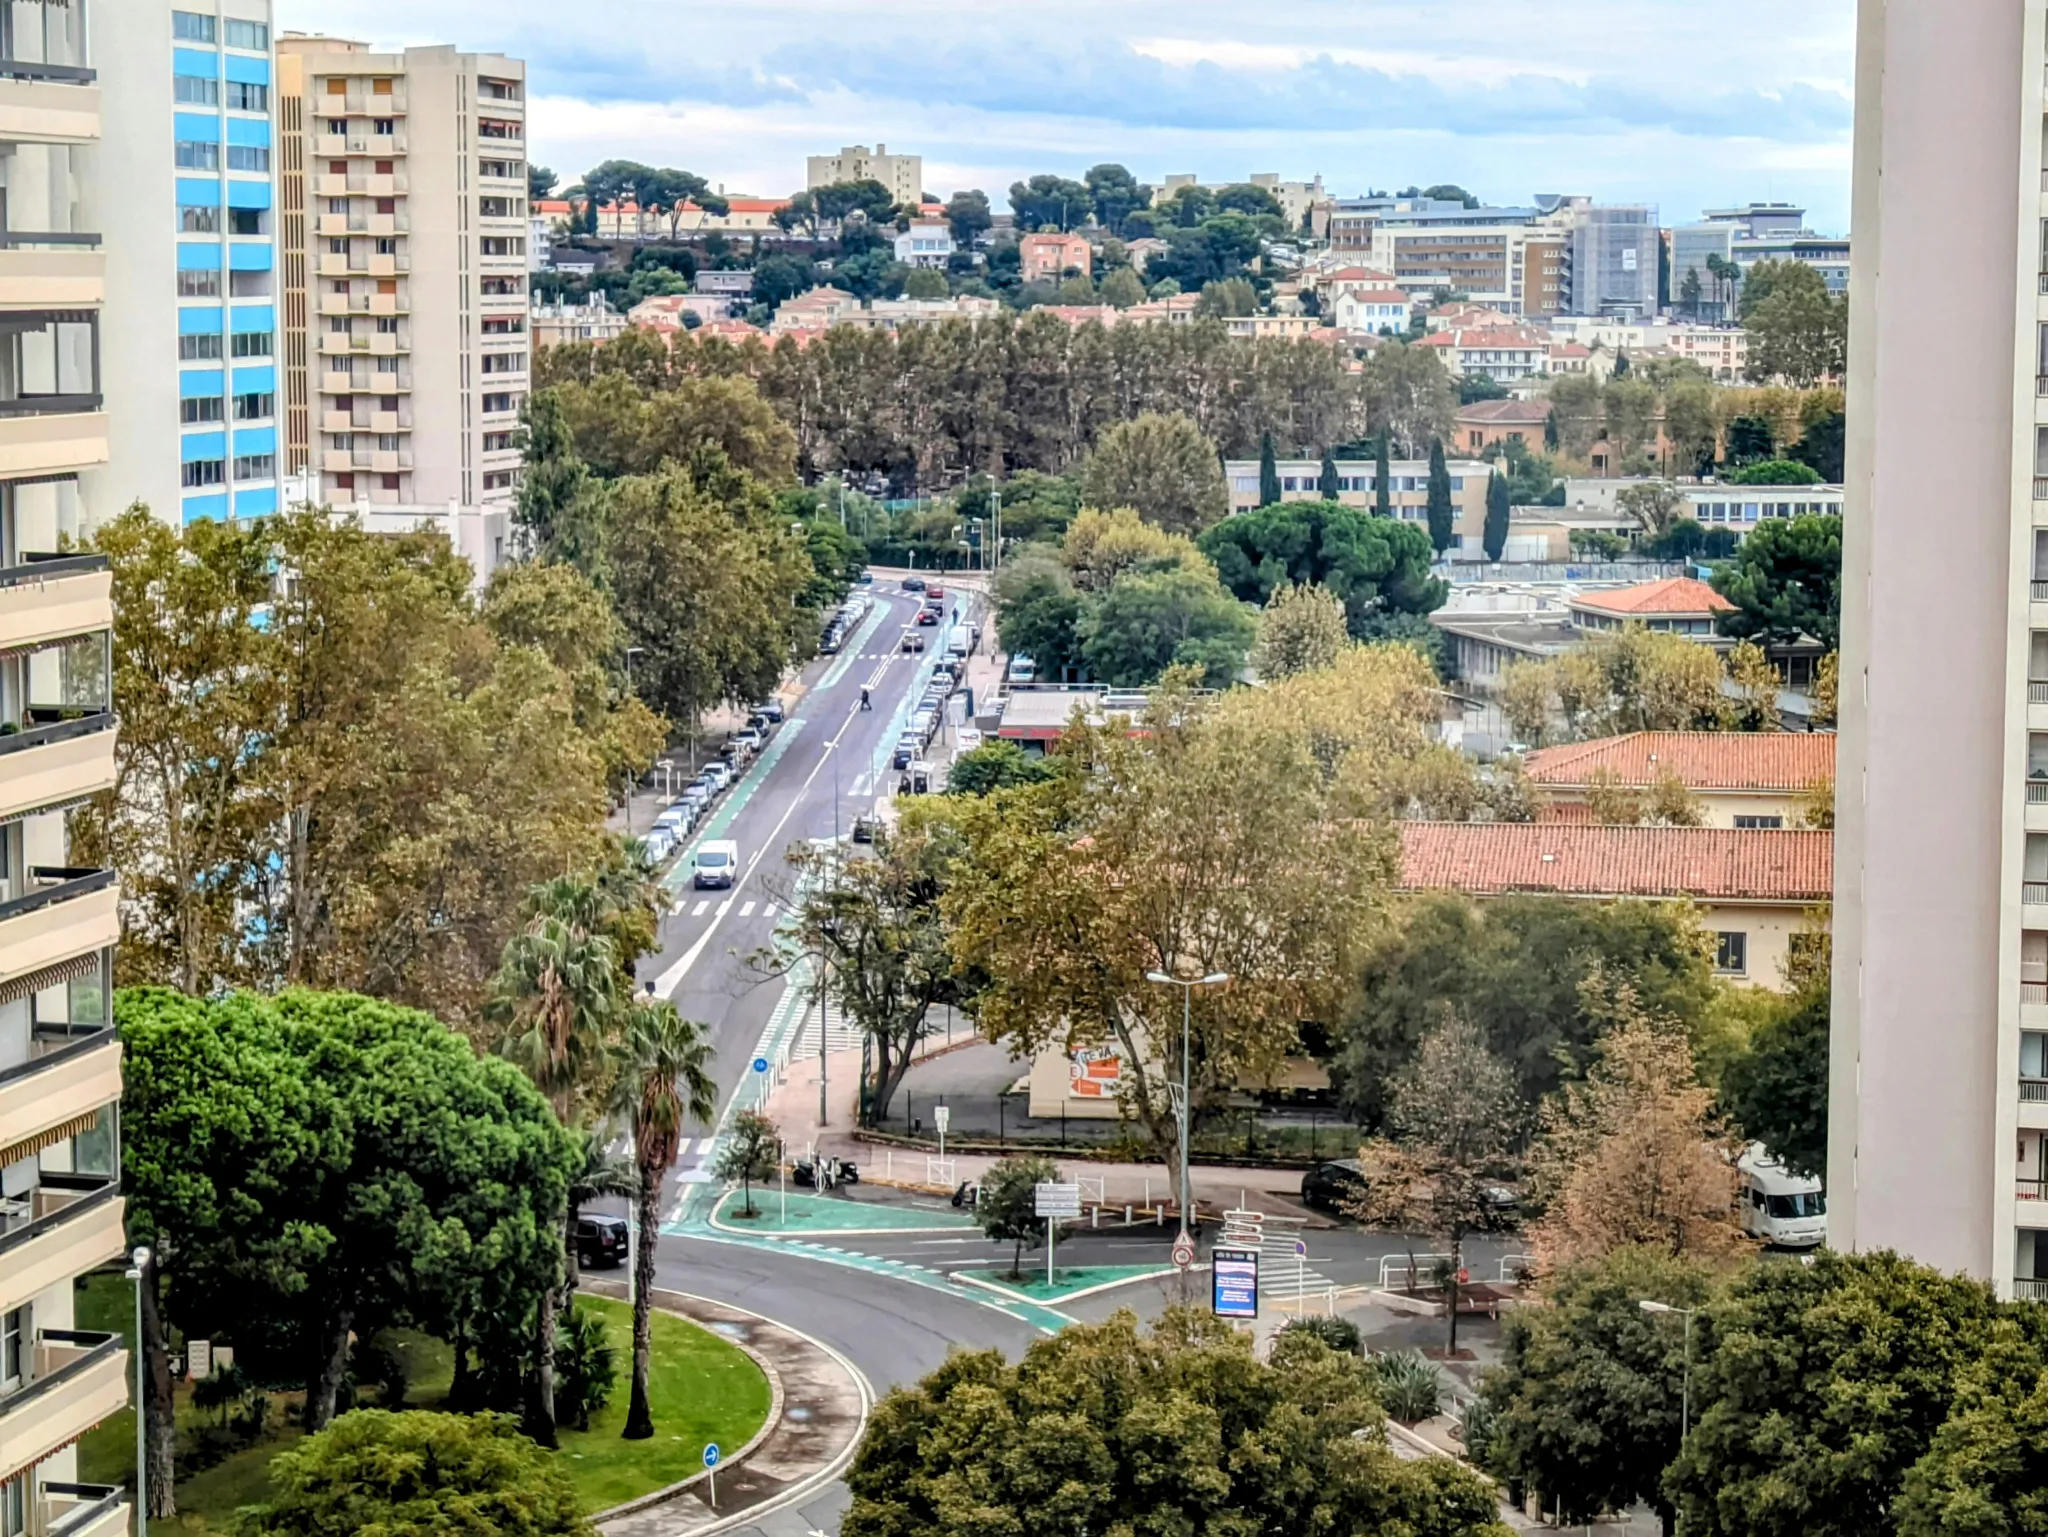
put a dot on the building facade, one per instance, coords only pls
(407, 350)
(1938, 1096)
(1047, 258)
(61, 1213)
(1614, 258)
(188, 174)
(1407, 487)
(903, 175)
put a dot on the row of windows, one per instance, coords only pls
(1749, 512)
(191, 27)
(1344, 482)
(205, 346)
(205, 219)
(382, 127)
(338, 325)
(242, 96)
(241, 285)
(194, 155)
(384, 442)
(213, 472)
(207, 408)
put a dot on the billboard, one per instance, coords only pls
(1094, 1072)
(1234, 1277)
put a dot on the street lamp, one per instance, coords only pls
(1187, 996)
(138, 1269)
(1685, 1395)
(631, 652)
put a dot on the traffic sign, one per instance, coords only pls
(1235, 1277)
(1183, 1253)
(941, 1115)
(1054, 1200)
(711, 1454)
(1301, 1248)
(760, 1064)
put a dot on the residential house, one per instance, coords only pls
(742, 216)
(815, 310)
(1484, 423)
(1372, 311)
(901, 175)
(1740, 778)
(1502, 353)
(557, 323)
(927, 243)
(1049, 257)
(1753, 891)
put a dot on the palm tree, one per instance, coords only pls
(599, 1174)
(662, 1082)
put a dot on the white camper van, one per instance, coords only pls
(1785, 1210)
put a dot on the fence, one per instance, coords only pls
(1292, 1136)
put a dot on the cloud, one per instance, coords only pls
(1643, 100)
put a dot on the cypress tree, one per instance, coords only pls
(1496, 532)
(1383, 478)
(1328, 484)
(1442, 516)
(1269, 472)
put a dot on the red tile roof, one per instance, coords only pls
(1721, 864)
(1524, 412)
(1702, 760)
(1673, 595)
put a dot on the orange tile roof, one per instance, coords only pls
(1524, 412)
(1673, 595)
(1702, 760)
(1721, 864)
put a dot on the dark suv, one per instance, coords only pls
(1327, 1184)
(600, 1241)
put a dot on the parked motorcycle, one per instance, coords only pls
(814, 1174)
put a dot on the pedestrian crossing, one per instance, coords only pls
(768, 909)
(841, 1034)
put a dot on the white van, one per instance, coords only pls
(1785, 1210)
(717, 863)
(1023, 669)
(960, 641)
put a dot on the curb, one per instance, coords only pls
(1086, 1291)
(662, 1496)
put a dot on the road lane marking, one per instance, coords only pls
(769, 910)
(725, 907)
(699, 910)
(747, 911)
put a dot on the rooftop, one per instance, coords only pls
(1702, 760)
(1673, 595)
(1704, 863)
(1533, 413)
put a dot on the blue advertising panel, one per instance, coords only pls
(1235, 1274)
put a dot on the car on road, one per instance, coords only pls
(934, 590)
(866, 579)
(601, 1241)
(927, 616)
(1327, 1185)
(913, 584)
(1023, 670)
(864, 829)
(717, 863)
(912, 641)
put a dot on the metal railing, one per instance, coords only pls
(61, 74)
(2033, 891)
(2031, 1189)
(2033, 992)
(2037, 792)
(71, 1508)
(43, 568)
(2034, 1091)
(2030, 1289)
(2039, 591)
(37, 239)
(2037, 691)
(81, 1350)
(51, 405)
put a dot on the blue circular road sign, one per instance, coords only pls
(760, 1064)
(711, 1455)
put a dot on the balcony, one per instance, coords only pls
(48, 103)
(336, 381)
(390, 421)
(390, 304)
(389, 461)
(334, 304)
(66, 914)
(47, 445)
(385, 344)
(2037, 790)
(73, 1224)
(389, 266)
(80, 1510)
(2034, 1091)
(2033, 893)
(337, 461)
(51, 600)
(2031, 1190)
(2030, 1289)
(337, 421)
(80, 1379)
(65, 1080)
(333, 264)
(55, 763)
(51, 270)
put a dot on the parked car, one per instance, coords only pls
(906, 749)
(1327, 1184)
(750, 739)
(866, 579)
(1023, 669)
(718, 775)
(601, 1241)
(659, 843)
(864, 829)
(913, 584)
(772, 708)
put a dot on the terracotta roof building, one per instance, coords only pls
(1486, 422)
(1743, 779)
(1752, 888)
(1681, 603)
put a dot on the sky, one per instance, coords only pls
(1672, 102)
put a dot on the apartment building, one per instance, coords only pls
(61, 1210)
(1050, 256)
(1614, 254)
(903, 175)
(405, 290)
(1938, 1092)
(1504, 257)
(187, 176)
(1407, 487)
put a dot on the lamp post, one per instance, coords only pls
(1187, 997)
(631, 652)
(138, 1269)
(1685, 1392)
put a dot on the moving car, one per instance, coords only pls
(1328, 1184)
(864, 829)
(927, 616)
(1023, 670)
(934, 591)
(913, 584)
(601, 1241)
(717, 863)
(912, 641)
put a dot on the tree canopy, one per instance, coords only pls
(1786, 581)
(1161, 466)
(1374, 566)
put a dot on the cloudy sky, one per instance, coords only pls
(1681, 104)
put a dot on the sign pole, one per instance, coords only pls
(1052, 1239)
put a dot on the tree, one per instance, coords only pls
(540, 181)
(1576, 413)
(1443, 529)
(1586, 1403)
(1378, 567)
(1987, 1470)
(1006, 1205)
(1777, 1089)
(623, 427)
(1408, 395)
(1654, 505)
(1633, 679)
(1050, 202)
(1750, 439)
(1151, 620)
(1756, 685)
(969, 215)
(1181, 1429)
(418, 1472)
(1798, 331)
(1631, 1158)
(1773, 472)
(1228, 296)
(995, 765)
(1516, 967)
(750, 1151)
(1269, 472)
(1121, 288)
(1786, 582)
(1820, 1385)
(780, 277)
(925, 283)
(1164, 467)
(661, 1080)
(1494, 533)
(1099, 547)
(586, 1366)
(1327, 481)
(1823, 447)
(1301, 630)
(1038, 615)
(1115, 194)
(1382, 477)
(1689, 292)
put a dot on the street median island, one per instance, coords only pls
(824, 1216)
(1069, 1281)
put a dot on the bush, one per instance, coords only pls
(1340, 1334)
(586, 1367)
(1410, 1388)
(1773, 472)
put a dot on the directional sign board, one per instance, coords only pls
(941, 1116)
(760, 1064)
(711, 1454)
(1235, 1277)
(1051, 1200)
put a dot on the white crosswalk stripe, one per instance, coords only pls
(701, 908)
(841, 1034)
(725, 907)
(770, 910)
(705, 1145)
(746, 909)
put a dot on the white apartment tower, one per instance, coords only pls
(405, 228)
(903, 175)
(61, 1211)
(1938, 1093)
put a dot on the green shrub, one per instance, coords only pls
(1410, 1388)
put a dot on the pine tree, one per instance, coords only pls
(1442, 516)
(1383, 478)
(1269, 472)
(1496, 532)
(1328, 484)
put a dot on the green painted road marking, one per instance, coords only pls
(722, 819)
(850, 651)
(817, 1216)
(1069, 1282)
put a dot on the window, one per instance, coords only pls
(503, 245)
(506, 286)
(386, 246)
(499, 402)
(196, 90)
(388, 482)
(252, 35)
(381, 86)
(498, 442)
(255, 466)
(337, 85)
(248, 157)
(196, 349)
(189, 27)
(245, 97)
(384, 127)
(497, 480)
(387, 325)
(249, 285)
(201, 408)
(205, 472)
(345, 483)
(388, 404)
(248, 221)
(193, 155)
(341, 442)
(198, 219)
(198, 285)
(14, 1346)
(337, 325)
(337, 205)
(1759, 821)
(388, 442)
(254, 407)
(384, 167)
(252, 344)
(504, 362)
(337, 126)
(387, 365)
(1731, 952)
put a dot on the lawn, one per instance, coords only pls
(701, 1388)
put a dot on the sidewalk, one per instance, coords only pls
(819, 1410)
(656, 789)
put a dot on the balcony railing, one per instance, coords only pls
(2031, 1189)
(69, 1510)
(2040, 590)
(2037, 792)
(2037, 691)
(49, 405)
(2034, 891)
(33, 240)
(79, 1379)
(61, 74)
(2034, 1091)
(2030, 1289)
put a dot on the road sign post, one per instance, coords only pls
(1183, 1253)
(940, 1116)
(1052, 1201)
(711, 1470)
